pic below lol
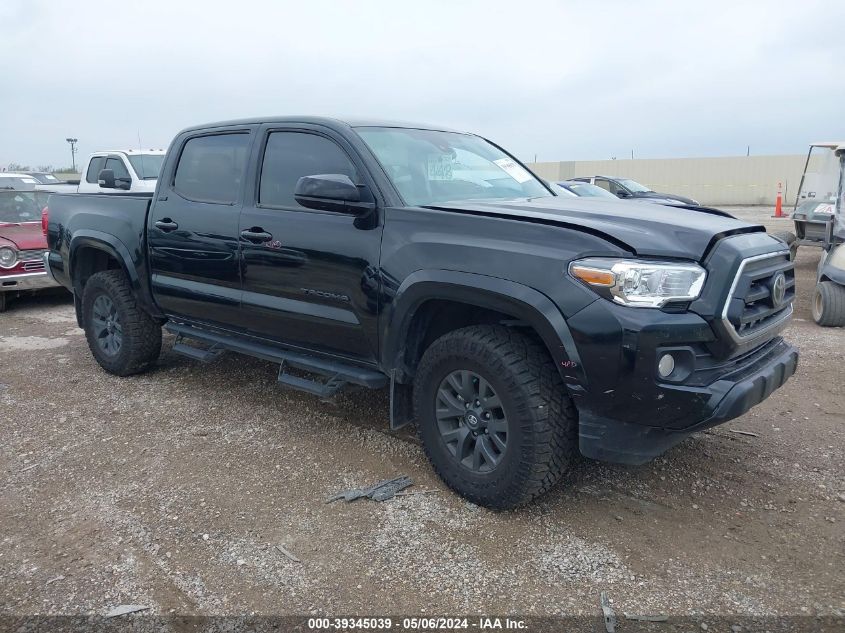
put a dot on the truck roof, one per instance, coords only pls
(128, 151)
(330, 122)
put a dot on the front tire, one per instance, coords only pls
(829, 304)
(494, 416)
(122, 337)
(791, 241)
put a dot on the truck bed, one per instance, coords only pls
(118, 220)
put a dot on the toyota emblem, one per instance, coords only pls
(778, 290)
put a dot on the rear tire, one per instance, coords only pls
(517, 438)
(829, 304)
(122, 337)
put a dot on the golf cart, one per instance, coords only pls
(816, 198)
(829, 296)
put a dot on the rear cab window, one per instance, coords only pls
(211, 168)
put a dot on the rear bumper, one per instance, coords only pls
(631, 443)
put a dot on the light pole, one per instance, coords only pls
(73, 142)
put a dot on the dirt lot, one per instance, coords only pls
(172, 489)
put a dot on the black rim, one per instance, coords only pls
(471, 420)
(107, 329)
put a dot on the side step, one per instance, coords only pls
(337, 373)
(202, 355)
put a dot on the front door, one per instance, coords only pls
(193, 228)
(308, 276)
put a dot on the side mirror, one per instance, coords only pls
(106, 179)
(332, 192)
(621, 193)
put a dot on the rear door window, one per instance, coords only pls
(211, 168)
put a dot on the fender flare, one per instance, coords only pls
(832, 273)
(108, 244)
(520, 301)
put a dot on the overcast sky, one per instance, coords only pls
(562, 80)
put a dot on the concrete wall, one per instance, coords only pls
(741, 180)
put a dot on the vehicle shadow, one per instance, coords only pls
(43, 299)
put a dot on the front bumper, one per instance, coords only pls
(26, 281)
(628, 414)
(730, 397)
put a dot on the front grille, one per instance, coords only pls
(753, 306)
(34, 266)
(26, 256)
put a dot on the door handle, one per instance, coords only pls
(256, 235)
(166, 225)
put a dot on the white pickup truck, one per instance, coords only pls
(131, 170)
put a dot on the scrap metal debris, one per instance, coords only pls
(609, 615)
(125, 609)
(56, 579)
(282, 549)
(380, 491)
(748, 433)
(646, 618)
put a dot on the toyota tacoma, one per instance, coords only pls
(516, 327)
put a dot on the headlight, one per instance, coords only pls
(8, 257)
(640, 283)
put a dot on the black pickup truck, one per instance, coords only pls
(516, 327)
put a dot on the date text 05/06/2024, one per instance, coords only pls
(481, 623)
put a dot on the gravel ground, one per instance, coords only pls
(172, 490)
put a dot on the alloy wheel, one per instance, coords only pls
(471, 420)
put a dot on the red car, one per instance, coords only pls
(22, 245)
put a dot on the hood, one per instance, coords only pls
(24, 237)
(644, 229)
(663, 196)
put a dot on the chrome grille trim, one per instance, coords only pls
(778, 323)
(31, 255)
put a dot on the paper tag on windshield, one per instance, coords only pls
(513, 170)
(440, 168)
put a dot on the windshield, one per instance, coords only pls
(147, 166)
(633, 185)
(428, 167)
(45, 179)
(587, 190)
(22, 183)
(18, 206)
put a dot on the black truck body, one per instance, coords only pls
(358, 287)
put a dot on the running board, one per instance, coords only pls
(196, 353)
(337, 373)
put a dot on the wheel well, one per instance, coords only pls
(437, 317)
(88, 261)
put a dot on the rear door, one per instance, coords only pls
(193, 227)
(309, 276)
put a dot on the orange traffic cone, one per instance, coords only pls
(779, 204)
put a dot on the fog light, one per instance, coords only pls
(666, 365)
